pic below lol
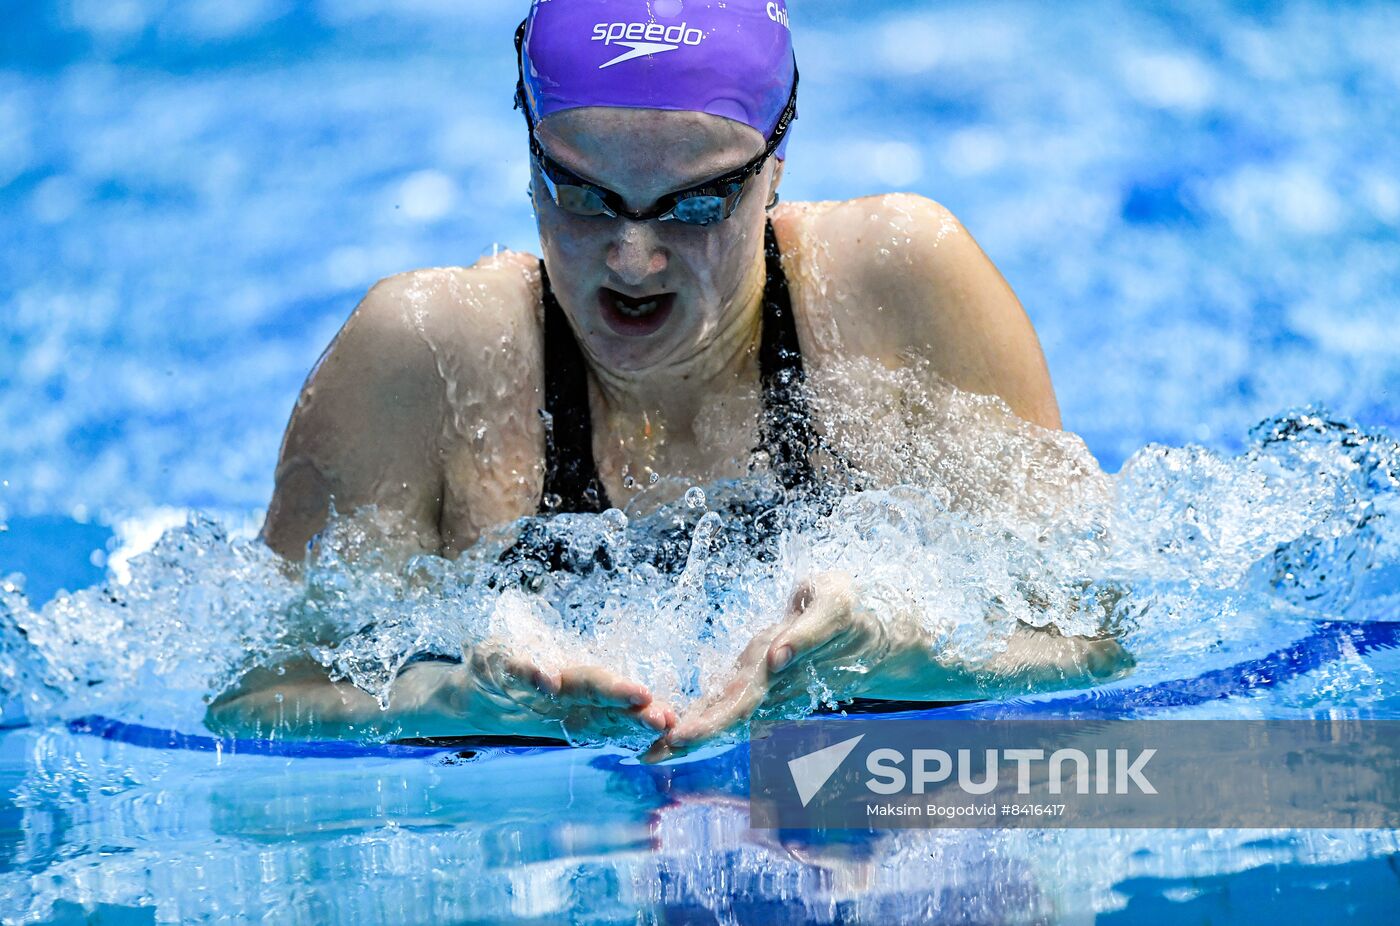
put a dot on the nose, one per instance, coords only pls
(636, 253)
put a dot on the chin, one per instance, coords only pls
(626, 340)
(632, 355)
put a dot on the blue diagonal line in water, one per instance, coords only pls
(156, 738)
(1328, 642)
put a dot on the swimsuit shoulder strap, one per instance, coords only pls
(786, 432)
(571, 475)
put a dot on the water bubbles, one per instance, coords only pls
(695, 497)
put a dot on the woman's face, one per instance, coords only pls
(646, 295)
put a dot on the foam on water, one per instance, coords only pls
(965, 523)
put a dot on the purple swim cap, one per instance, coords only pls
(730, 58)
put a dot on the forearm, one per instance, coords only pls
(299, 702)
(1032, 660)
(429, 699)
(441, 699)
(899, 659)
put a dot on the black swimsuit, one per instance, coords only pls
(571, 481)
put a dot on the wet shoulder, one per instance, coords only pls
(482, 330)
(897, 277)
(449, 309)
(853, 263)
(459, 332)
(376, 422)
(436, 378)
(876, 273)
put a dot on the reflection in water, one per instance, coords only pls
(197, 837)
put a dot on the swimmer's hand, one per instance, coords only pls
(828, 639)
(513, 695)
(824, 635)
(493, 692)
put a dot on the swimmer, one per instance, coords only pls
(674, 292)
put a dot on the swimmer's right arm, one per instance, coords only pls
(371, 428)
(403, 399)
(490, 693)
(362, 431)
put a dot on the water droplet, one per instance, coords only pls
(552, 500)
(628, 482)
(654, 478)
(695, 497)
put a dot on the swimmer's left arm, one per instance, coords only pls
(942, 299)
(829, 641)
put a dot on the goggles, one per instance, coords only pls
(703, 204)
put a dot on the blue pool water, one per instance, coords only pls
(1199, 206)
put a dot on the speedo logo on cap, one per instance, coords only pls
(644, 39)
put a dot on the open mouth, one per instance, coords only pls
(635, 316)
